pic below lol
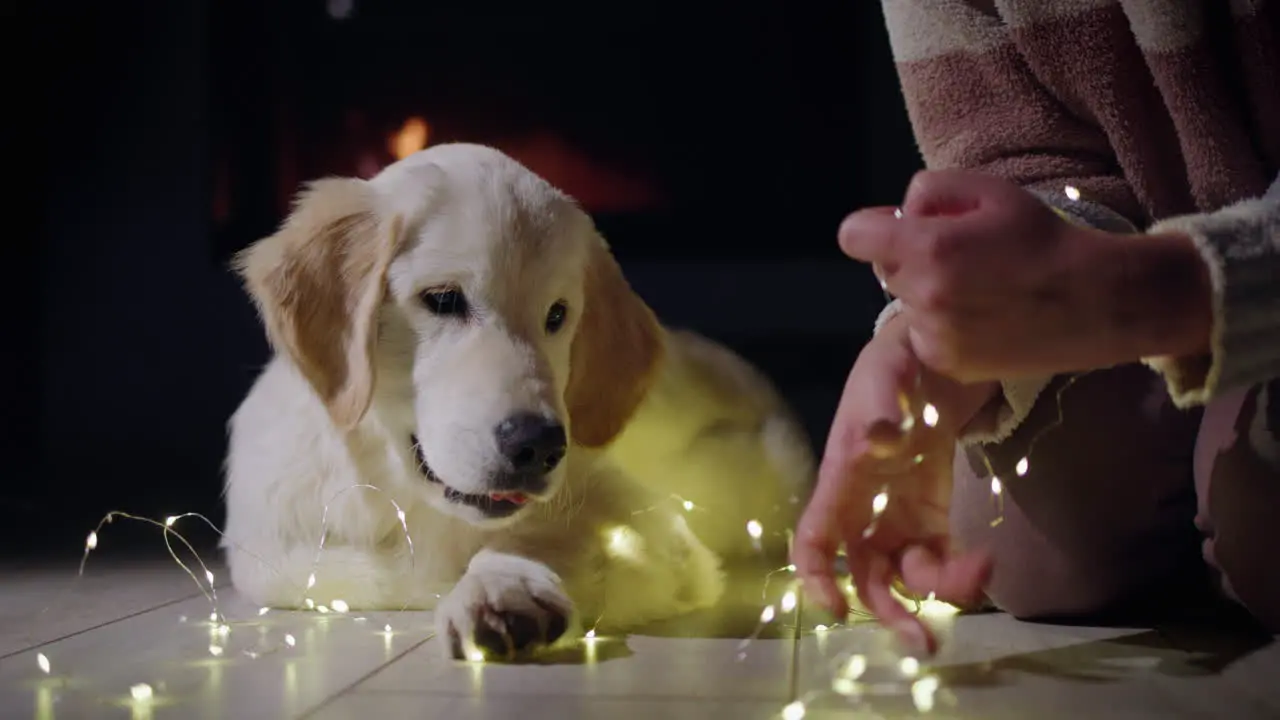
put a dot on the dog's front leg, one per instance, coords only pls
(504, 606)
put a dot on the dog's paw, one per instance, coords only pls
(504, 607)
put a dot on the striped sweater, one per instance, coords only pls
(1164, 114)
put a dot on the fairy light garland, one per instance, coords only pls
(850, 669)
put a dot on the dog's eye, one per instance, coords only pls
(445, 302)
(555, 317)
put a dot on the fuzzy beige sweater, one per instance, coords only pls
(1165, 114)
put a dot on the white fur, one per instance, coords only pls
(589, 550)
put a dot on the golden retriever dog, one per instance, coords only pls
(470, 410)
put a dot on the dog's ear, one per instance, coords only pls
(318, 283)
(616, 353)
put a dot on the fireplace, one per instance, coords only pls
(689, 137)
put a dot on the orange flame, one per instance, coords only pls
(410, 138)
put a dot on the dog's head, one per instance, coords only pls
(473, 306)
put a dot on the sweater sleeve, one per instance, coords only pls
(1241, 246)
(975, 103)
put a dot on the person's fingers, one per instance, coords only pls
(874, 236)
(945, 192)
(873, 581)
(956, 579)
(817, 541)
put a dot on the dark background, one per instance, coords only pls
(718, 146)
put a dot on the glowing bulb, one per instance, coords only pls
(43, 661)
(688, 506)
(996, 486)
(311, 604)
(624, 542)
(909, 667)
(224, 630)
(400, 515)
(311, 581)
(169, 521)
(141, 692)
(880, 502)
(215, 650)
(1073, 193)
(821, 629)
(855, 668)
(476, 656)
(794, 711)
(931, 607)
(340, 606)
(1022, 467)
(789, 601)
(386, 628)
(213, 617)
(591, 635)
(930, 415)
(755, 529)
(897, 212)
(263, 611)
(790, 568)
(323, 610)
(290, 640)
(767, 615)
(208, 575)
(922, 692)
(91, 542)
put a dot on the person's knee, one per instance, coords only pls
(1238, 479)
(1076, 533)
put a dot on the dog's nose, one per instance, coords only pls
(532, 442)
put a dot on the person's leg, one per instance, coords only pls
(1237, 469)
(1105, 510)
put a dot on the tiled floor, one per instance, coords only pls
(146, 623)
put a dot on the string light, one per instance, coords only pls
(42, 661)
(141, 692)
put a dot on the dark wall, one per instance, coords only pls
(131, 345)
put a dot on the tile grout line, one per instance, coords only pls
(100, 625)
(358, 681)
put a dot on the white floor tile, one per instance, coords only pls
(170, 649)
(363, 706)
(637, 666)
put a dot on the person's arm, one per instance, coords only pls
(975, 104)
(1240, 245)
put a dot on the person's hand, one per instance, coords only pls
(997, 285)
(873, 447)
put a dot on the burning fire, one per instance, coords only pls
(410, 138)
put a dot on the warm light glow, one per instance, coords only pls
(880, 502)
(789, 601)
(386, 628)
(311, 581)
(290, 640)
(930, 415)
(767, 615)
(311, 604)
(1023, 466)
(794, 711)
(1073, 193)
(141, 692)
(855, 668)
(909, 667)
(169, 521)
(215, 650)
(91, 542)
(996, 486)
(263, 611)
(922, 692)
(43, 661)
(933, 608)
(688, 506)
(475, 656)
(340, 606)
(410, 138)
(623, 542)
(755, 529)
